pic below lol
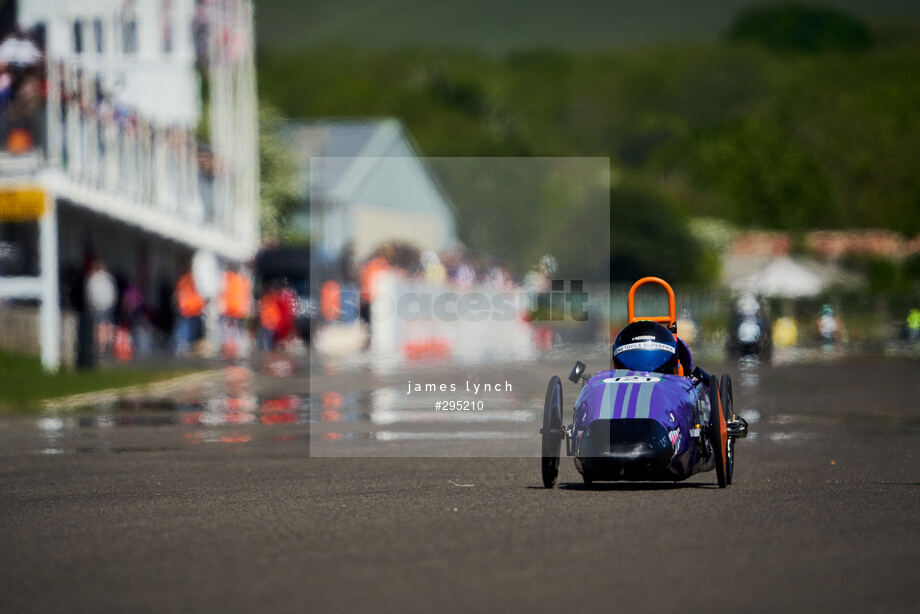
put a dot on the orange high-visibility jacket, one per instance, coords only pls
(236, 297)
(330, 300)
(190, 302)
(270, 311)
(369, 277)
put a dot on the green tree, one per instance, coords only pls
(736, 131)
(762, 175)
(278, 181)
(799, 28)
(649, 235)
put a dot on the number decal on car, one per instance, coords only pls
(632, 379)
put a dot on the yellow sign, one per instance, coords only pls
(21, 205)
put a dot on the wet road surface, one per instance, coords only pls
(209, 500)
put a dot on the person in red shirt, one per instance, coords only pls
(277, 315)
(287, 301)
(269, 317)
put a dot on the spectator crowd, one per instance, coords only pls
(23, 89)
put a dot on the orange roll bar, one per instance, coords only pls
(669, 320)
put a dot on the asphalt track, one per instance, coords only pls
(138, 511)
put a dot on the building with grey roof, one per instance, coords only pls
(366, 185)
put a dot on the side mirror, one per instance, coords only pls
(578, 371)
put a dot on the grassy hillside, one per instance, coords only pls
(760, 138)
(490, 26)
(794, 118)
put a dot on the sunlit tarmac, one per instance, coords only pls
(210, 499)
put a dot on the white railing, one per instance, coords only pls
(122, 156)
(108, 148)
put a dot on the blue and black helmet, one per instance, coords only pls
(645, 346)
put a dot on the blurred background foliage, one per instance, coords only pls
(656, 231)
(795, 28)
(794, 118)
(506, 202)
(278, 187)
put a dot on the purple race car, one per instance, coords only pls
(654, 416)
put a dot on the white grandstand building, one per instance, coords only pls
(145, 151)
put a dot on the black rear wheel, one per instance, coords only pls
(552, 432)
(728, 405)
(718, 431)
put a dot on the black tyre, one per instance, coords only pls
(552, 432)
(718, 430)
(728, 405)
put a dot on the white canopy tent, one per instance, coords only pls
(782, 277)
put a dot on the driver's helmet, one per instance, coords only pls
(645, 346)
(747, 304)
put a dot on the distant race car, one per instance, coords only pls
(652, 417)
(749, 331)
